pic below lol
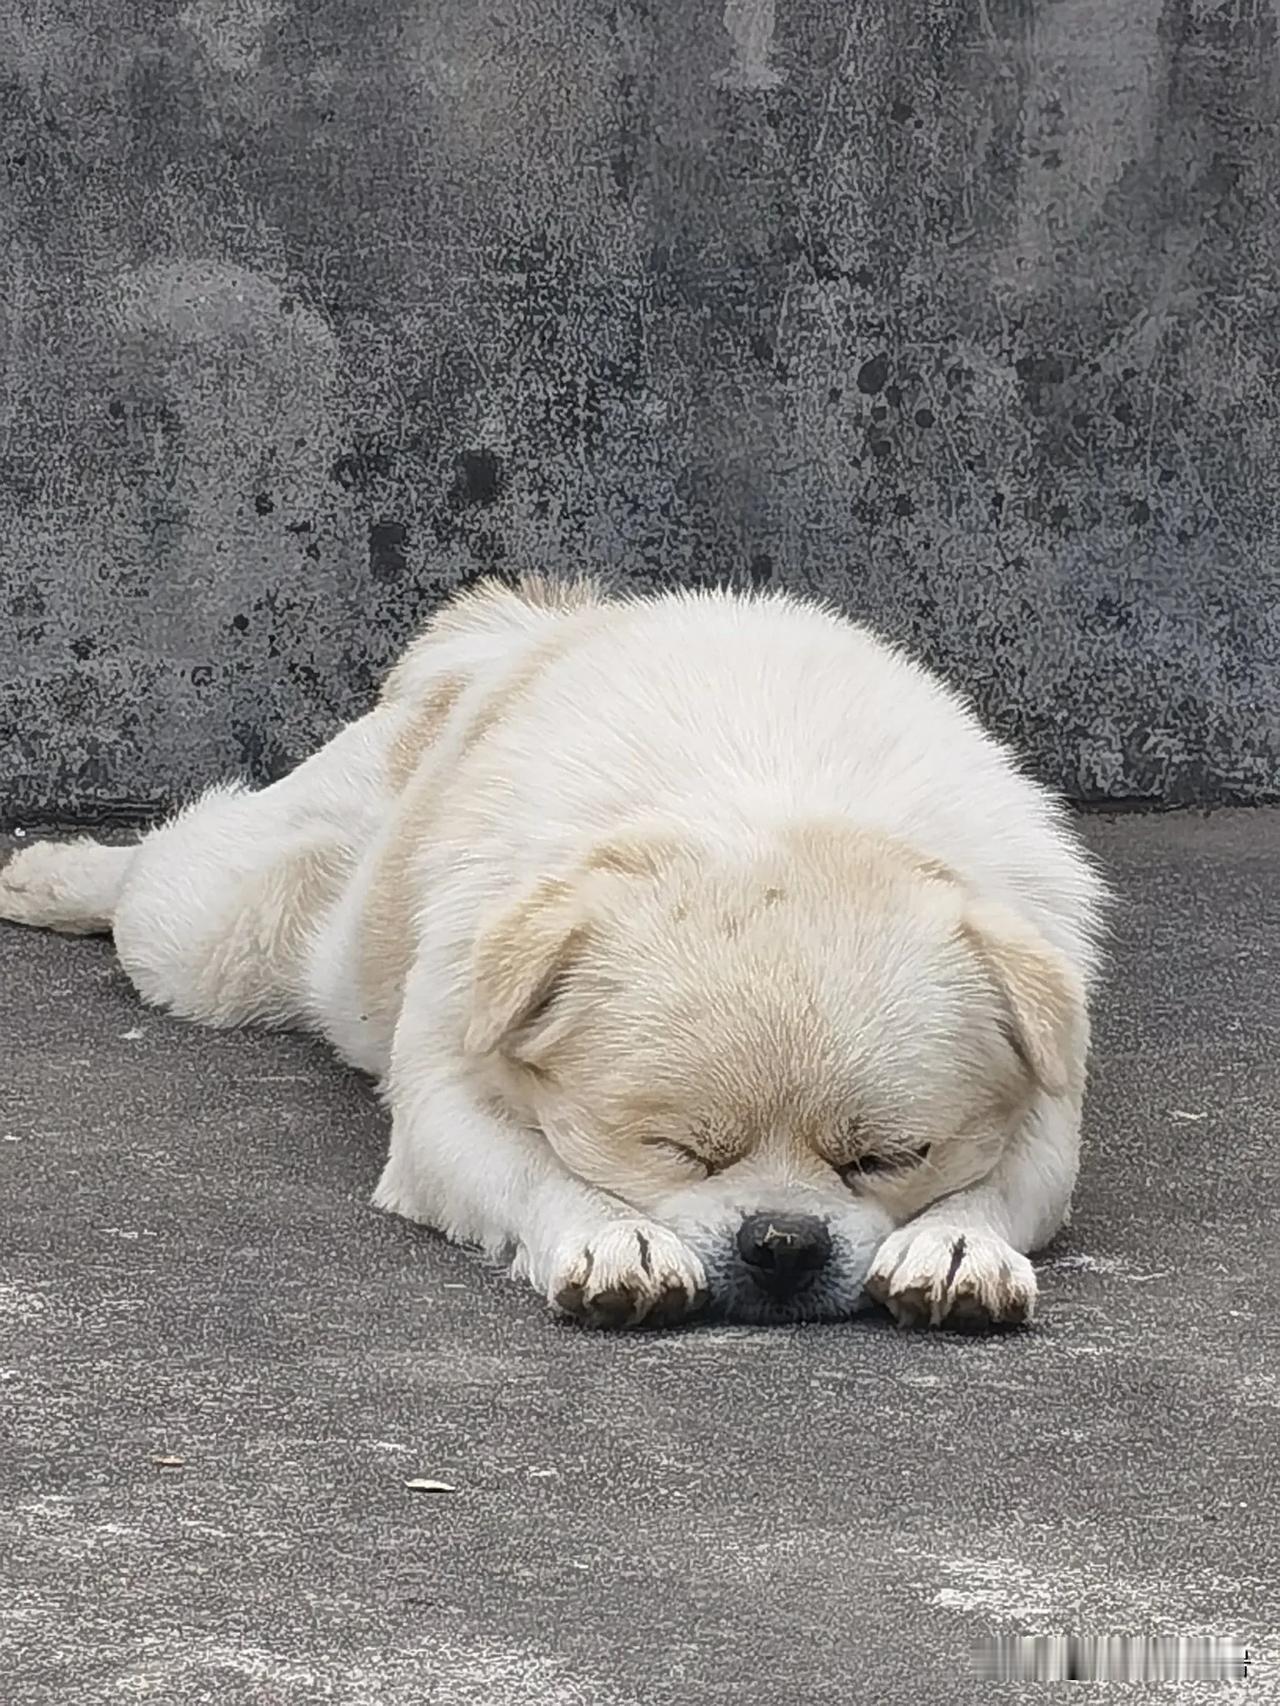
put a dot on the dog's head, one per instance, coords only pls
(782, 1055)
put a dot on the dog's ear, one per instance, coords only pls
(519, 959)
(522, 957)
(1043, 993)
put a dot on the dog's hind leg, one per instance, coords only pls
(221, 905)
(71, 886)
(215, 912)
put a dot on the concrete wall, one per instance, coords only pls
(965, 314)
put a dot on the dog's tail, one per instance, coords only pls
(72, 886)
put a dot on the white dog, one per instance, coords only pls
(707, 952)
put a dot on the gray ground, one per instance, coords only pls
(190, 1270)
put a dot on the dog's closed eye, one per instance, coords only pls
(682, 1152)
(883, 1161)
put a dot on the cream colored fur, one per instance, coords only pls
(661, 923)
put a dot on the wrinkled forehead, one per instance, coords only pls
(791, 1002)
(714, 1104)
(757, 1086)
(813, 996)
(784, 953)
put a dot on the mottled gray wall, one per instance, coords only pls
(312, 309)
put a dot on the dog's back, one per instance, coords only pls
(734, 716)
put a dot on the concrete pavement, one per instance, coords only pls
(219, 1367)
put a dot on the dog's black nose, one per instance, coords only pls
(783, 1251)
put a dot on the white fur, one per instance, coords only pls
(716, 719)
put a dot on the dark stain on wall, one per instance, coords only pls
(963, 316)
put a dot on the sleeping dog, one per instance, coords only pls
(707, 951)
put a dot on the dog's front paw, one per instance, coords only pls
(930, 1274)
(628, 1273)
